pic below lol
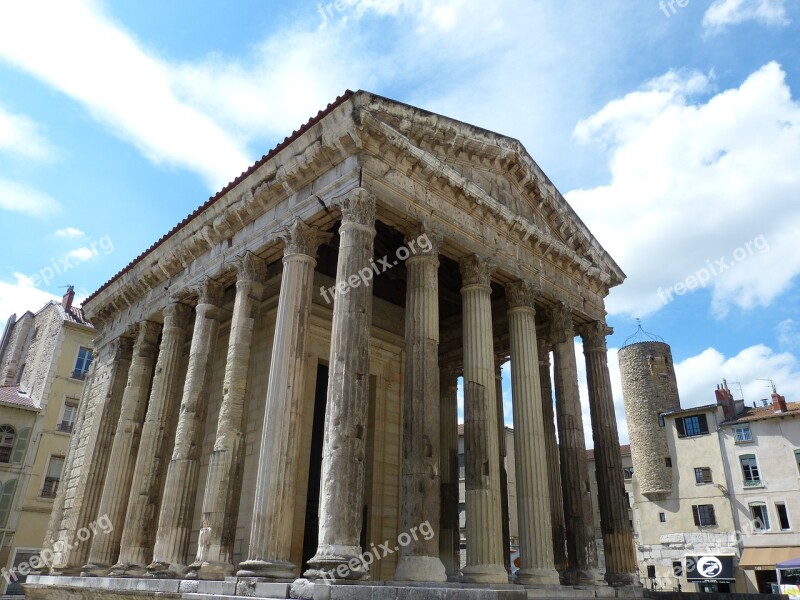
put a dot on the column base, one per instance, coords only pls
(622, 579)
(337, 562)
(127, 570)
(210, 570)
(484, 574)
(94, 570)
(420, 568)
(538, 577)
(163, 570)
(269, 569)
(590, 577)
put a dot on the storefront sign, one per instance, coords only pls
(707, 567)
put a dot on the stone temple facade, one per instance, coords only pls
(272, 407)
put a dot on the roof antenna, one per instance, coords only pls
(771, 383)
(741, 391)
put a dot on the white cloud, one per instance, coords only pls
(788, 332)
(22, 199)
(21, 295)
(81, 254)
(69, 232)
(694, 182)
(731, 12)
(104, 68)
(20, 135)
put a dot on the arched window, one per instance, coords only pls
(7, 435)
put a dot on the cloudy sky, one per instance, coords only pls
(674, 132)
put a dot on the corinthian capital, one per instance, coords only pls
(594, 335)
(250, 267)
(302, 239)
(561, 328)
(476, 270)
(358, 207)
(522, 293)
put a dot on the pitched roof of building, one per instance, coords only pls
(764, 412)
(624, 450)
(288, 140)
(73, 314)
(10, 396)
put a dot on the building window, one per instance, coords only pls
(668, 461)
(743, 434)
(783, 516)
(651, 571)
(704, 515)
(53, 477)
(70, 415)
(760, 516)
(797, 459)
(677, 568)
(461, 466)
(750, 470)
(82, 363)
(691, 426)
(7, 435)
(662, 517)
(627, 472)
(702, 475)
(661, 421)
(16, 580)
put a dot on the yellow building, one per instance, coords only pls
(44, 360)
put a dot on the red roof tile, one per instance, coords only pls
(765, 412)
(288, 140)
(9, 395)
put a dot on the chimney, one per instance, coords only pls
(725, 400)
(66, 301)
(778, 403)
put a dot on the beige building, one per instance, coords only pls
(273, 397)
(761, 446)
(44, 359)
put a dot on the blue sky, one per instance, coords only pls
(674, 131)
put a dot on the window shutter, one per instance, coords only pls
(711, 515)
(20, 446)
(6, 499)
(703, 423)
(696, 515)
(681, 428)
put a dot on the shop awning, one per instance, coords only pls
(766, 557)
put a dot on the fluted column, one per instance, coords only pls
(530, 449)
(143, 505)
(581, 546)
(449, 537)
(180, 489)
(553, 468)
(269, 553)
(121, 463)
(503, 452)
(224, 476)
(419, 560)
(344, 448)
(621, 567)
(484, 511)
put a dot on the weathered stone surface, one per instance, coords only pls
(484, 529)
(449, 536)
(581, 547)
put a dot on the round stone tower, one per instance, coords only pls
(649, 388)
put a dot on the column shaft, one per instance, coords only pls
(553, 468)
(419, 560)
(180, 489)
(114, 500)
(581, 546)
(502, 450)
(449, 538)
(143, 505)
(269, 553)
(224, 477)
(344, 448)
(533, 494)
(484, 512)
(620, 555)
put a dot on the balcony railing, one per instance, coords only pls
(80, 375)
(753, 483)
(50, 488)
(66, 427)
